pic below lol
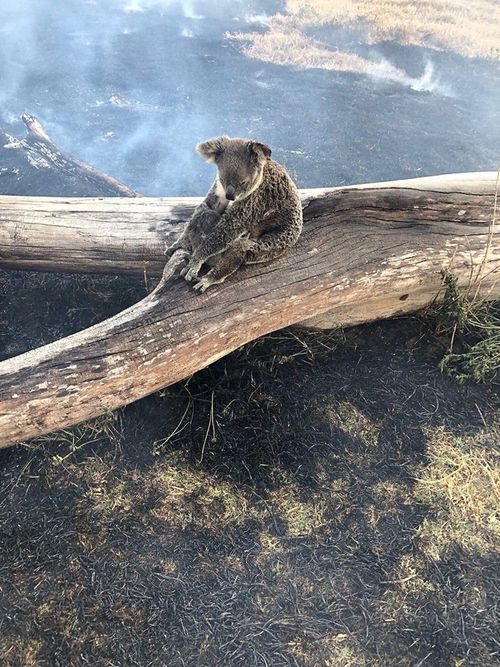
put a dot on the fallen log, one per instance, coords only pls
(38, 165)
(117, 235)
(366, 252)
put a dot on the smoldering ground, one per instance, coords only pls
(132, 86)
(300, 502)
(310, 500)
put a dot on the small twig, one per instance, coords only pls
(491, 232)
(160, 444)
(481, 415)
(211, 423)
(400, 581)
(453, 337)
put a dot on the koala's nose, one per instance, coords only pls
(230, 193)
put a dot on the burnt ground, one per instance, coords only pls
(132, 93)
(317, 500)
(271, 510)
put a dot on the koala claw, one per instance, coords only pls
(249, 245)
(179, 251)
(183, 254)
(202, 285)
(169, 250)
(190, 271)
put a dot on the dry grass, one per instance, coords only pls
(283, 46)
(452, 572)
(107, 426)
(291, 47)
(470, 28)
(462, 485)
(25, 651)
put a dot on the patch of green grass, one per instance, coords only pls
(302, 517)
(112, 498)
(191, 496)
(472, 323)
(350, 419)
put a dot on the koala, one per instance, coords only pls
(252, 213)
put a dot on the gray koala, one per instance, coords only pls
(252, 213)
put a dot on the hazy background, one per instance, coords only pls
(131, 85)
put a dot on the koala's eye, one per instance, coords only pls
(244, 183)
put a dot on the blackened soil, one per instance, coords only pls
(256, 514)
(260, 513)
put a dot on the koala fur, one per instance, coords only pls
(252, 213)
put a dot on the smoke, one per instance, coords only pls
(131, 86)
(103, 92)
(16, 32)
(260, 19)
(427, 82)
(186, 7)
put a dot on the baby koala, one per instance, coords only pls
(252, 213)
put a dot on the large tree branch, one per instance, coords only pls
(37, 164)
(366, 252)
(116, 235)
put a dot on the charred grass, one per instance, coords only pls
(469, 28)
(312, 500)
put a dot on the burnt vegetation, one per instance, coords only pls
(311, 499)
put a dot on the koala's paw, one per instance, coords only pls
(169, 250)
(249, 245)
(178, 251)
(203, 284)
(183, 254)
(191, 270)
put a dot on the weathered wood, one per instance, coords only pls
(36, 164)
(104, 235)
(116, 235)
(366, 252)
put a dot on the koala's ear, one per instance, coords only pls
(212, 149)
(261, 150)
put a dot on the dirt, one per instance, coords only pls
(268, 511)
(258, 513)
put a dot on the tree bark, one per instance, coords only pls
(366, 252)
(37, 165)
(116, 235)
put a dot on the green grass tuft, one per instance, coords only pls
(473, 328)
